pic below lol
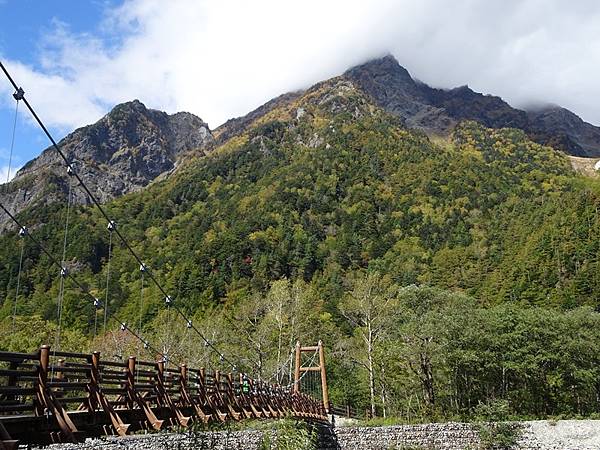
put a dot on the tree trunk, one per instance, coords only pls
(371, 370)
(383, 393)
(427, 379)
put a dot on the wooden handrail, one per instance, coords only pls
(88, 395)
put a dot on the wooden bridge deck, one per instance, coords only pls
(65, 397)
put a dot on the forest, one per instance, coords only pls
(442, 274)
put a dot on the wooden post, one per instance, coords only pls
(182, 378)
(317, 368)
(44, 362)
(133, 396)
(42, 379)
(160, 381)
(92, 401)
(165, 398)
(219, 404)
(231, 398)
(98, 398)
(96, 368)
(47, 400)
(60, 376)
(297, 369)
(323, 378)
(130, 381)
(184, 372)
(217, 387)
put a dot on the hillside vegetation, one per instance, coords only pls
(441, 274)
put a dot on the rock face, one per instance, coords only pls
(392, 88)
(438, 110)
(238, 124)
(121, 153)
(559, 127)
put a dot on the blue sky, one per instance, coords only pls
(23, 24)
(219, 59)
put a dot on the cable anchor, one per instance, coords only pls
(19, 94)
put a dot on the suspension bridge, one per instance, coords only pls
(54, 395)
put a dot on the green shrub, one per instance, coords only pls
(289, 435)
(495, 432)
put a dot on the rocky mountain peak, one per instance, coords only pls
(390, 85)
(387, 66)
(437, 111)
(122, 152)
(559, 127)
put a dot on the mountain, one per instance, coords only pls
(132, 145)
(327, 182)
(561, 128)
(122, 152)
(438, 111)
(475, 255)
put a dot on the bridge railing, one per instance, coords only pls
(19, 372)
(348, 412)
(67, 396)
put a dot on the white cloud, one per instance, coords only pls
(4, 166)
(4, 173)
(222, 58)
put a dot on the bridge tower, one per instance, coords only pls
(300, 370)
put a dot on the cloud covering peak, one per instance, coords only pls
(220, 59)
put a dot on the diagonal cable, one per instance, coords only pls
(83, 289)
(102, 210)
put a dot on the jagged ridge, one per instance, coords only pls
(438, 110)
(122, 152)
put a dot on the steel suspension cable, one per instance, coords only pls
(14, 317)
(168, 298)
(106, 299)
(12, 145)
(96, 306)
(12, 141)
(63, 273)
(141, 306)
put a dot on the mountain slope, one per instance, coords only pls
(121, 153)
(133, 145)
(438, 110)
(561, 128)
(326, 181)
(327, 184)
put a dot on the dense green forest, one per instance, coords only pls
(441, 274)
